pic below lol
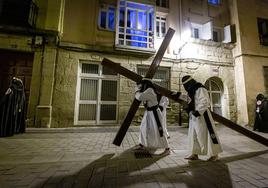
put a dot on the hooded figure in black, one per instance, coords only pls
(12, 109)
(151, 135)
(203, 139)
(261, 114)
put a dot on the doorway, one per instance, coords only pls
(15, 64)
(215, 90)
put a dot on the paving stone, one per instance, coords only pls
(89, 159)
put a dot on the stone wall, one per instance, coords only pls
(250, 57)
(64, 94)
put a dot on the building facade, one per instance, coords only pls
(59, 57)
(250, 55)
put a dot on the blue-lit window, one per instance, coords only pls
(136, 27)
(214, 2)
(107, 18)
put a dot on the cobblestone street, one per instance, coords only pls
(86, 157)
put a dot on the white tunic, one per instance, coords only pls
(198, 136)
(164, 103)
(149, 133)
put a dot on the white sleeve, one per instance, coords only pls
(164, 101)
(146, 95)
(185, 98)
(202, 101)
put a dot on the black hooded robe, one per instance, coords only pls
(261, 116)
(12, 110)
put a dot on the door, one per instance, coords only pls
(15, 64)
(214, 87)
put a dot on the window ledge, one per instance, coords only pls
(109, 30)
(135, 49)
(207, 42)
(163, 10)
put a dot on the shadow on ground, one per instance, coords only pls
(125, 170)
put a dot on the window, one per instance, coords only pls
(162, 3)
(265, 71)
(215, 93)
(200, 31)
(217, 34)
(214, 2)
(229, 34)
(263, 31)
(96, 98)
(161, 77)
(195, 33)
(107, 17)
(160, 27)
(135, 25)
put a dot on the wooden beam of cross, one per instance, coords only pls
(136, 78)
(136, 103)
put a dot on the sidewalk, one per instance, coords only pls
(86, 157)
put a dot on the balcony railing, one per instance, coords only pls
(18, 13)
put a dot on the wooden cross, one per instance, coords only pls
(163, 91)
(136, 103)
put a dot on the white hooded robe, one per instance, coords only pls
(199, 139)
(164, 103)
(149, 133)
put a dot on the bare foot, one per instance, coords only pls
(192, 157)
(213, 158)
(166, 152)
(139, 147)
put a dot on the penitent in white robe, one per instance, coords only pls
(198, 136)
(149, 133)
(164, 103)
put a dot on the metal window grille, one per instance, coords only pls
(97, 95)
(161, 77)
(135, 25)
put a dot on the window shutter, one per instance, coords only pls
(186, 34)
(229, 34)
(207, 31)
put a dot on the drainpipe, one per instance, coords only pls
(179, 51)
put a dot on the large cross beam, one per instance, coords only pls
(136, 78)
(136, 103)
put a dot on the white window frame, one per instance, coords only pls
(210, 92)
(105, 8)
(98, 102)
(167, 69)
(150, 45)
(205, 30)
(160, 19)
